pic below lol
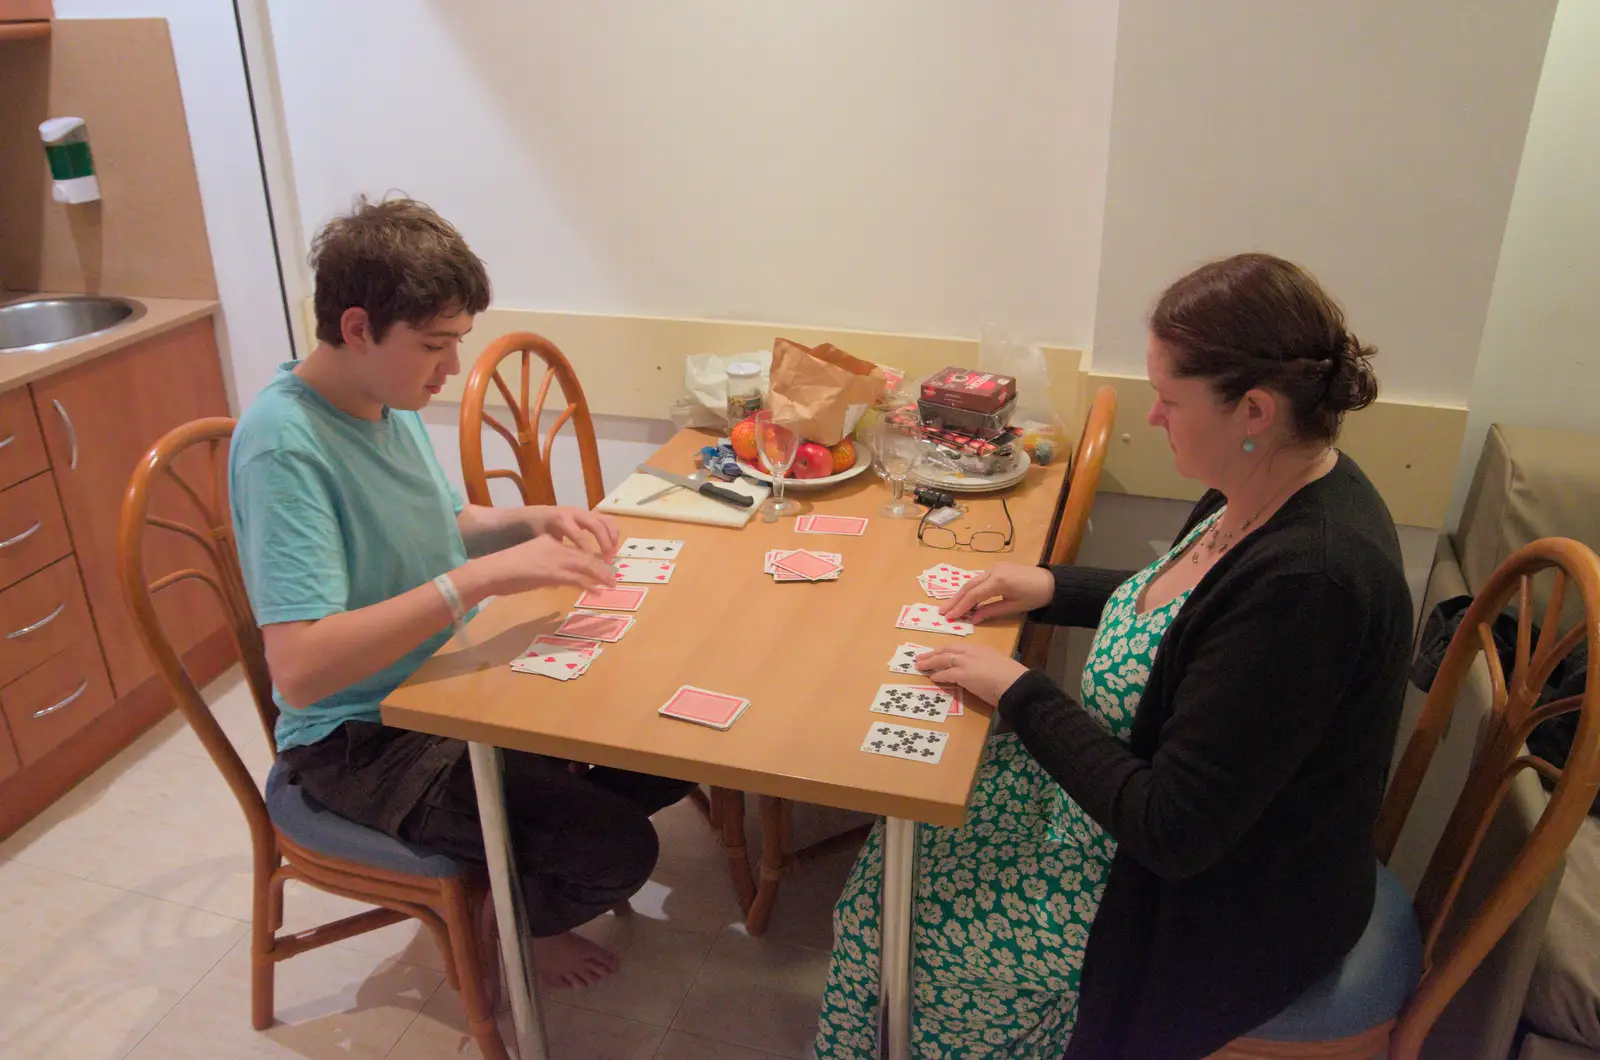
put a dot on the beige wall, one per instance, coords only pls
(1540, 362)
(1374, 142)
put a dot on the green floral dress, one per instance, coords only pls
(1005, 902)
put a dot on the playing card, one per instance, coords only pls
(613, 599)
(850, 525)
(807, 565)
(904, 659)
(645, 571)
(944, 581)
(562, 665)
(905, 741)
(649, 548)
(704, 707)
(584, 625)
(779, 575)
(925, 618)
(921, 702)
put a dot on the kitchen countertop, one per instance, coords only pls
(160, 314)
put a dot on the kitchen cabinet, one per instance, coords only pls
(75, 683)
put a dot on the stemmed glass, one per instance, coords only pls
(899, 448)
(779, 445)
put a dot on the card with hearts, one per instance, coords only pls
(586, 625)
(849, 525)
(905, 741)
(644, 571)
(924, 618)
(704, 707)
(613, 599)
(649, 548)
(807, 565)
(770, 566)
(919, 702)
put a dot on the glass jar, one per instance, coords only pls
(745, 392)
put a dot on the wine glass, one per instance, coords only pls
(900, 450)
(779, 445)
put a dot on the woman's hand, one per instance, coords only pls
(984, 672)
(1008, 589)
(577, 525)
(536, 564)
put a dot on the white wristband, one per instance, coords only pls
(447, 589)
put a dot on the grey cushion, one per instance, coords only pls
(317, 828)
(1370, 986)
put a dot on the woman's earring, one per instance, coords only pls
(1249, 445)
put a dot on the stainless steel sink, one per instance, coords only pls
(35, 324)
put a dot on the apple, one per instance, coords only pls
(812, 461)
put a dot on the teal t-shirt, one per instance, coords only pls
(335, 513)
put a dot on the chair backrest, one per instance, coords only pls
(212, 530)
(532, 474)
(1084, 481)
(1456, 939)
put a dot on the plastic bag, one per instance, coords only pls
(705, 384)
(1035, 414)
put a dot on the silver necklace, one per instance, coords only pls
(1216, 543)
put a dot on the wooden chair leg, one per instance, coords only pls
(262, 937)
(706, 806)
(777, 817)
(731, 814)
(479, 1007)
(275, 902)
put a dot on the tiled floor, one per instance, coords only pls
(124, 917)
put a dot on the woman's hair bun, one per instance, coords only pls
(1352, 384)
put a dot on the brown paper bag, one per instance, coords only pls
(821, 393)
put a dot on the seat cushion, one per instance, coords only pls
(1372, 983)
(312, 825)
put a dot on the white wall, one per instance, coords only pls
(1376, 143)
(1540, 362)
(205, 42)
(901, 165)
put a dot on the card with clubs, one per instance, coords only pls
(612, 599)
(807, 565)
(850, 525)
(925, 618)
(586, 625)
(779, 575)
(920, 702)
(905, 741)
(649, 548)
(704, 707)
(904, 659)
(644, 571)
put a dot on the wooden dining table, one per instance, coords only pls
(808, 655)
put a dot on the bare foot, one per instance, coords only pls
(571, 961)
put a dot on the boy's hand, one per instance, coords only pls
(577, 525)
(538, 564)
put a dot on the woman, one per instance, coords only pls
(1166, 867)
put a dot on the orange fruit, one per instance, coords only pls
(844, 456)
(743, 438)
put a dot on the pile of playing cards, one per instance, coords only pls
(905, 741)
(922, 702)
(927, 619)
(849, 525)
(649, 548)
(803, 565)
(943, 580)
(562, 658)
(586, 625)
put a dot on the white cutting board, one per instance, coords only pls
(681, 505)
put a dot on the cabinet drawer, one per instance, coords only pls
(22, 453)
(33, 532)
(55, 699)
(41, 616)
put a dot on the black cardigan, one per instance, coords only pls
(1244, 802)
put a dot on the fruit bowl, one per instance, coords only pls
(863, 462)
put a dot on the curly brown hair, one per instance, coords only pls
(1254, 320)
(398, 260)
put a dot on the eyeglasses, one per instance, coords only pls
(977, 541)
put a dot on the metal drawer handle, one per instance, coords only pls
(65, 702)
(20, 538)
(7, 440)
(43, 622)
(72, 433)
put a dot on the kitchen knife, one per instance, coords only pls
(705, 489)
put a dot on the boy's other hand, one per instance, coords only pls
(538, 564)
(577, 525)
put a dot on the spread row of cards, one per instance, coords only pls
(604, 616)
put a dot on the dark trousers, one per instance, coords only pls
(581, 837)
